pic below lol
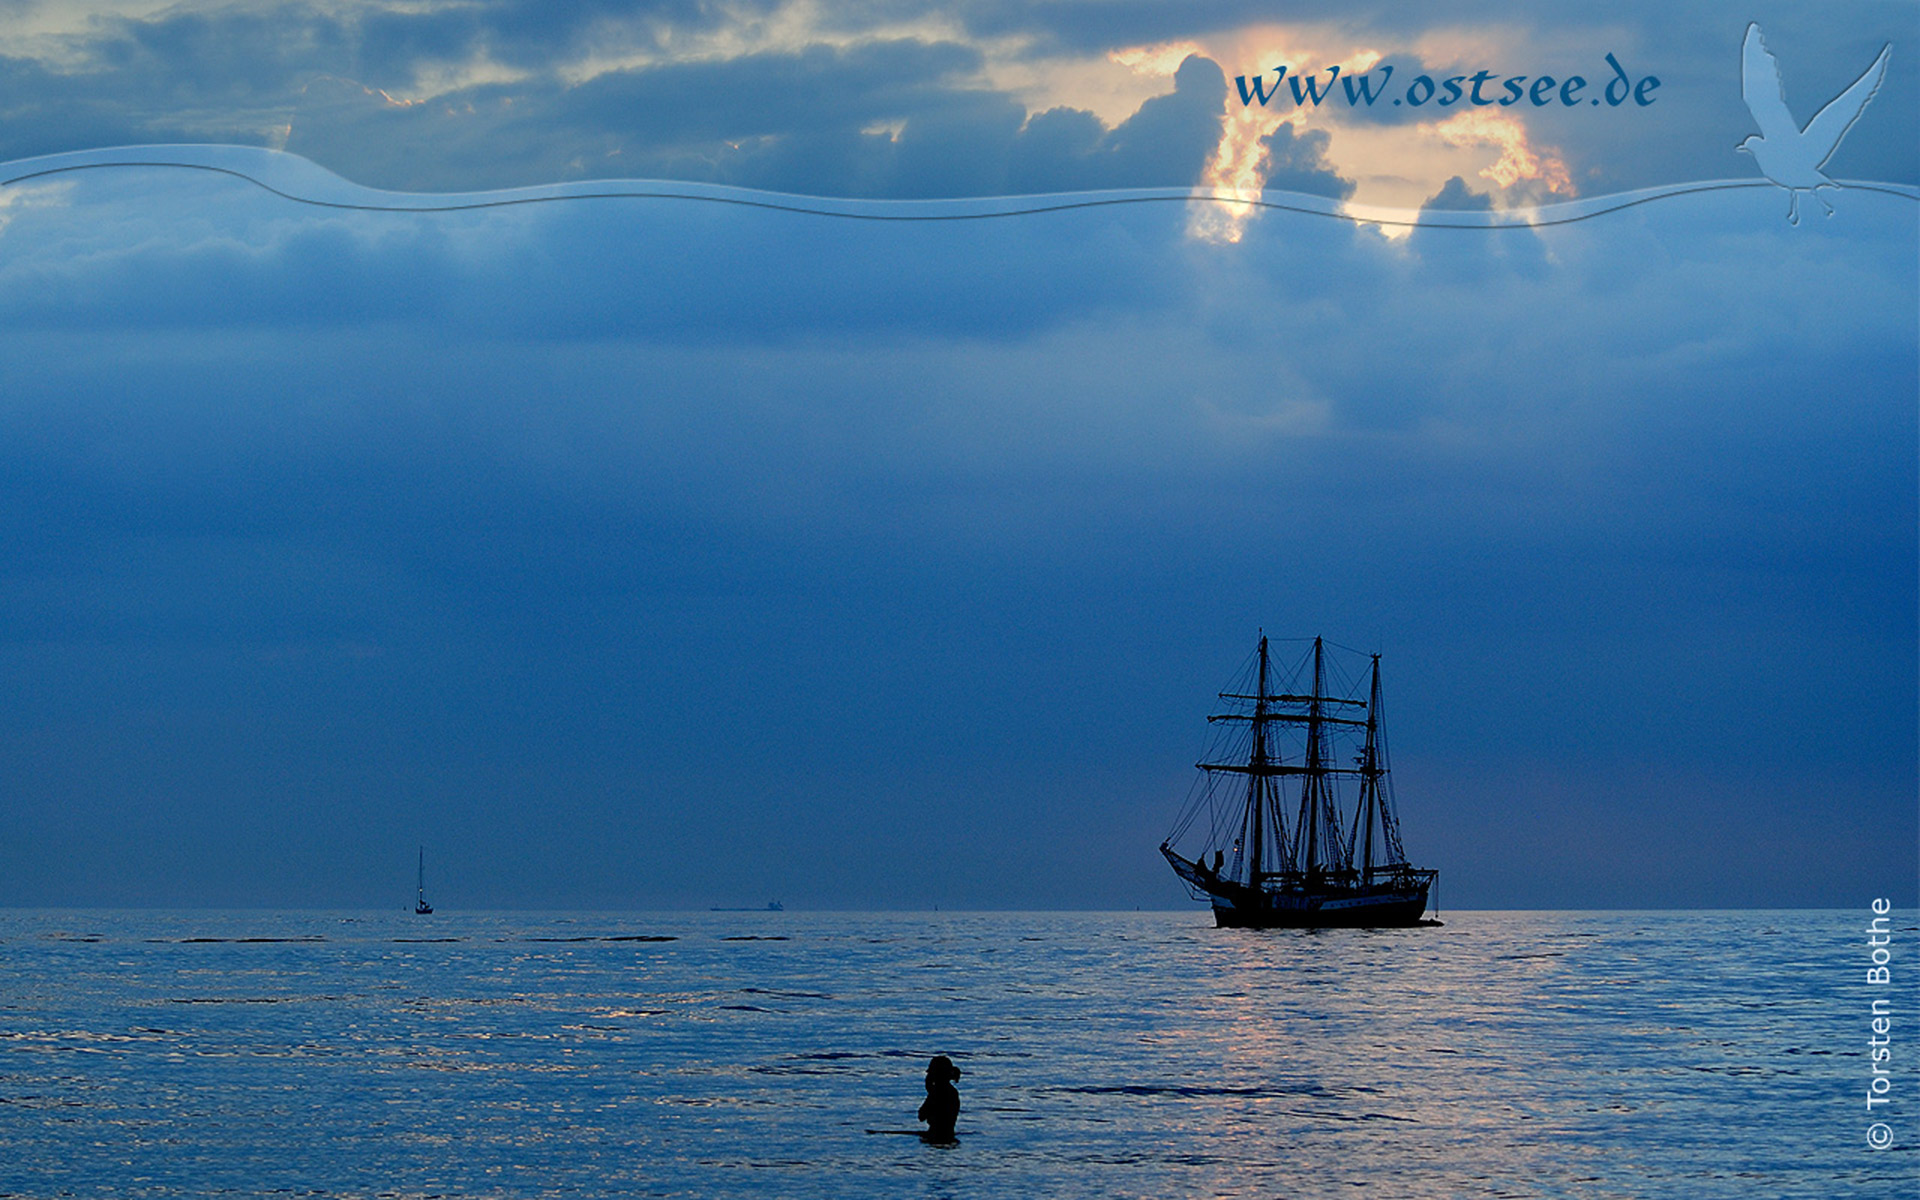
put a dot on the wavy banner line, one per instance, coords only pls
(301, 181)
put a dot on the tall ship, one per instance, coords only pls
(1291, 822)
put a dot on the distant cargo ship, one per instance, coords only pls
(1326, 867)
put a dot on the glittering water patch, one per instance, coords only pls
(253, 999)
(1190, 1091)
(190, 941)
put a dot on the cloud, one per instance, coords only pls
(1296, 161)
(800, 97)
(186, 251)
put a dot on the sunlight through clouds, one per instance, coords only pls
(1517, 162)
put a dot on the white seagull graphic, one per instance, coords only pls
(1787, 154)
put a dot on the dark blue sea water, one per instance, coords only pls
(1508, 1054)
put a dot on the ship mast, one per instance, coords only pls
(1370, 774)
(1261, 820)
(1256, 776)
(1310, 796)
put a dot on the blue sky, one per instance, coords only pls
(649, 552)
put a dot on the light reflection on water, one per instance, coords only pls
(719, 1054)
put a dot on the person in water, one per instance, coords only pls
(942, 1106)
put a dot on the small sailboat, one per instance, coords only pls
(420, 904)
(1299, 744)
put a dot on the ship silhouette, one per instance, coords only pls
(1321, 753)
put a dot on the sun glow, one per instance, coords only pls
(1393, 167)
(1163, 59)
(1518, 160)
(1236, 174)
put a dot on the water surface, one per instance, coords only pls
(747, 1054)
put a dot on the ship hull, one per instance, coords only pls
(1400, 899)
(1326, 910)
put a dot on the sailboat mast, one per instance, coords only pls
(420, 881)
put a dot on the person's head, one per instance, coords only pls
(942, 1070)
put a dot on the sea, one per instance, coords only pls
(719, 1054)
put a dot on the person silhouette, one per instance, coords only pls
(942, 1105)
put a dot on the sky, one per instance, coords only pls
(638, 552)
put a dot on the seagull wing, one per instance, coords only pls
(1831, 123)
(1760, 85)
